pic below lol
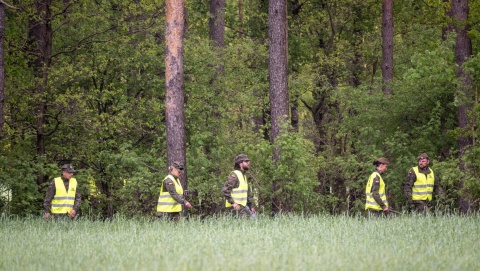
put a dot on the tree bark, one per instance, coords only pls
(217, 22)
(387, 46)
(40, 43)
(240, 19)
(174, 84)
(279, 105)
(217, 36)
(463, 50)
(2, 68)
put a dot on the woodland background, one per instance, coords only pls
(84, 82)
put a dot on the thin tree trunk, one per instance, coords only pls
(387, 46)
(174, 84)
(40, 37)
(217, 35)
(217, 22)
(294, 118)
(279, 106)
(240, 19)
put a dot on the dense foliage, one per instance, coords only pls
(105, 104)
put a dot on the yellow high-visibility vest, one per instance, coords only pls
(63, 200)
(370, 202)
(423, 186)
(166, 203)
(239, 194)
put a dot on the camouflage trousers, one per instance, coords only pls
(172, 216)
(242, 213)
(61, 217)
(375, 213)
(422, 206)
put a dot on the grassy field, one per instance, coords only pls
(284, 243)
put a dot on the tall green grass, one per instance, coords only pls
(284, 243)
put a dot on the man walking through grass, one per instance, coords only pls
(62, 198)
(420, 185)
(236, 190)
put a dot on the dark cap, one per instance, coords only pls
(68, 168)
(177, 165)
(422, 156)
(381, 160)
(240, 158)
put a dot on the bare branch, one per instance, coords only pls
(8, 5)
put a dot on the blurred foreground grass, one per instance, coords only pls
(283, 243)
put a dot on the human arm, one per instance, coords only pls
(408, 185)
(76, 204)
(170, 187)
(376, 194)
(47, 202)
(78, 201)
(250, 198)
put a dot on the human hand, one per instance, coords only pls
(72, 213)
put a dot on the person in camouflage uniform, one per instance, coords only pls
(376, 202)
(171, 199)
(236, 191)
(420, 184)
(63, 198)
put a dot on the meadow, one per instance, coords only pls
(321, 242)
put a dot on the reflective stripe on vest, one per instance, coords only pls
(239, 194)
(423, 186)
(63, 201)
(370, 202)
(166, 203)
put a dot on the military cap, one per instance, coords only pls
(240, 158)
(422, 156)
(68, 168)
(177, 165)
(381, 160)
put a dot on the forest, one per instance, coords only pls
(313, 91)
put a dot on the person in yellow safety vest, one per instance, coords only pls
(63, 197)
(420, 185)
(236, 191)
(171, 199)
(376, 202)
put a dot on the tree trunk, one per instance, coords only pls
(240, 19)
(2, 68)
(217, 22)
(174, 84)
(40, 42)
(463, 50)
(217, 35)
(295, 118)
(279, 107)
(387, 46)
